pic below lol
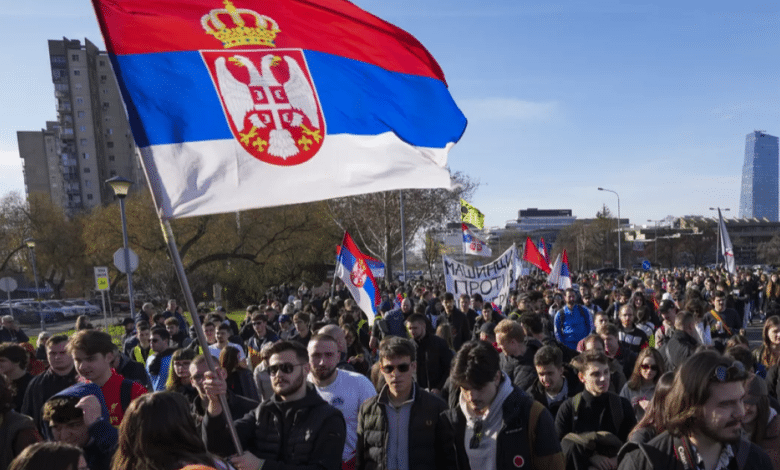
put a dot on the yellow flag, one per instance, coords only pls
(471, 214)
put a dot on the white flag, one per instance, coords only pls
(725, 246)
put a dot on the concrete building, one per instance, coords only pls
(759, 194)
(91, 140)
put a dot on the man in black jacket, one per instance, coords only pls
(497, 425)
(433, 355)
(295, 427)
(683, 342)
(702, 417)
(556, 381)
(461, 332)
(60, 375)
(403, 426)
(517, 358)
(239, 406)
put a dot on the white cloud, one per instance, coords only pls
(509, 108)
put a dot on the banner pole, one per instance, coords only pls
(190, 301)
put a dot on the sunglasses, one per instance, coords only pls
(649, 367)
(284, 367)
(477, 437)
(388, 369)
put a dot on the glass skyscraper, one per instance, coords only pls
(759, 195)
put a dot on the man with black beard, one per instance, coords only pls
(342, 389)
(295, 427)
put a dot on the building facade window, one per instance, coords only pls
(77, 72)
(89, 197)
(74, 57)
(87, 170)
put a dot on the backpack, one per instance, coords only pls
(126, 393)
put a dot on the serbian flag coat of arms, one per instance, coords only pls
(240, 104)
(353, 269)
(472, 245)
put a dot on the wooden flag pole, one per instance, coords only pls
(190, 301)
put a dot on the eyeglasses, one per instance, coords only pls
(284, 367)
(258, 323)
(732, 373)
(476, 438)
(388, 369)
(649, 367)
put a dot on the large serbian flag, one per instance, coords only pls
(250, 103)
(352, 268)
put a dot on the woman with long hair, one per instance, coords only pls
(639, 389)
(179, 374)
(772, 295)
(357, 354)
(761, 423)
(239, 379)
(768, 353)
(652, 422)
(158, 433)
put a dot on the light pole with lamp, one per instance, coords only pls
(121, 186)
(31, 245)
(717, 243)
(620, 234)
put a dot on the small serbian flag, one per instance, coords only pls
(564, 282)
(377, 267)
(545, 252)
(353, 269)
(244, 104)
(472, 245)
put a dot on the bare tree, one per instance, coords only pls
(374, 220)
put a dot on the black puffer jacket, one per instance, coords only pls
(306, 433)
(661, 453)
(431, 444)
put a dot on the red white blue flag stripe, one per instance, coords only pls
(378, 112)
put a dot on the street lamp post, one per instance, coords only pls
(620, 234)
(31, 245)
(717, 243)
(121, 186)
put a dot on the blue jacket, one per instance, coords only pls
(103, 437)
(572, 325)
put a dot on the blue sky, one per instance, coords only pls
(650, 99)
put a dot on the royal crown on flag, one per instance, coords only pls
(240, 27)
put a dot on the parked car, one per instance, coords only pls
(89, 309)
(61, 311)
(28, 314)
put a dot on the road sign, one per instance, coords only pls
(119, 260)
(646, 265)
(101, 278)
(8, 284)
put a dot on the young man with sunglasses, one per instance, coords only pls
(703, 420)
(403, 426)
(295, 427)
(498, 425)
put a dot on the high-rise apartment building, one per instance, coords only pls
(90, 142)
(759, 195)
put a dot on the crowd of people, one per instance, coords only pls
(642, 370)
